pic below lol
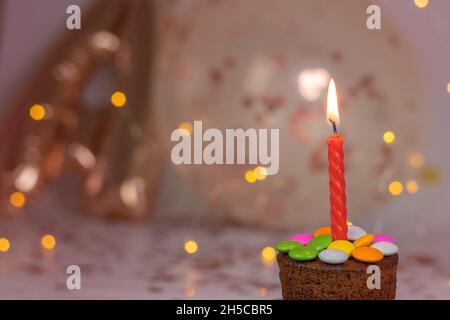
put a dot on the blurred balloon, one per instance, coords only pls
(265, 64)
(68, 116)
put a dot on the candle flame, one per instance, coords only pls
(332, 104)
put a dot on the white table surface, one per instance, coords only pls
(146, 261)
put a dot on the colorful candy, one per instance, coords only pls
(367, 254)
(364, 241)
(303, 238)
(320, 242)
(387, 248)
(362, 246)
(303, 253)
(287, 245)
(355, 232)
(322, 230)
(333, 256)
(383, 238)
(342, 245)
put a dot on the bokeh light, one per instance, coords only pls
(412, 186)
(190, 292)
(48, 242)
(27, 177)
(430, 175)
(312, 83)
(37, 112)
(260, 173)
(421, 3)
(83, 155)
(191, 247)
(118, 99)
(4, 245)
(389, 137)
(106, 40)
(448, 87)
(132, 192)
(17, 199)
(395, 188)
(263, 292)
(186, 126)
(268, 255)
(416, 160)
(250, 176)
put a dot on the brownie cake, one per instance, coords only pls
(317, 267)
(315, 280)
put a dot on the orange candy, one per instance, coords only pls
(367, 254)
(364, 241)
(322, 230)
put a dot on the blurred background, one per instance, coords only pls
(86, 117)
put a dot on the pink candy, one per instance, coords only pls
(303, 238)
(383, 238)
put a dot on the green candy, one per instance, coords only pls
(320, 242)
(287, 245)
(303, 253)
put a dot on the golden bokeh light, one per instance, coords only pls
(448, 87)
(389, 137)
(186, 126)
(37, 112)
(430, 175)
(48, 242)
(118, 99)
(17, 199)
(250, 176)
(191, 247)
(412, 186)
(416, 160)
(260, 173)
(268, 255)
(4, 245)
(395, 188)
(349, 223)
(421, 3)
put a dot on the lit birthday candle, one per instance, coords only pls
(335, 143)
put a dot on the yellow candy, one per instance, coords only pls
(367, 254)
(342, 245)
(364, 241)
(322, 230)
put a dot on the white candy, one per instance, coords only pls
(333, 256)
(387, 248)
(355, 232)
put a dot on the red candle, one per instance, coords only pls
(338, 200)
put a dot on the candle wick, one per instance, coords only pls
(334, 125)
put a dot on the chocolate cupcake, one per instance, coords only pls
(316, 280)
(323, 269)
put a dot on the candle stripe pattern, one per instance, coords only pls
(338, 199)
